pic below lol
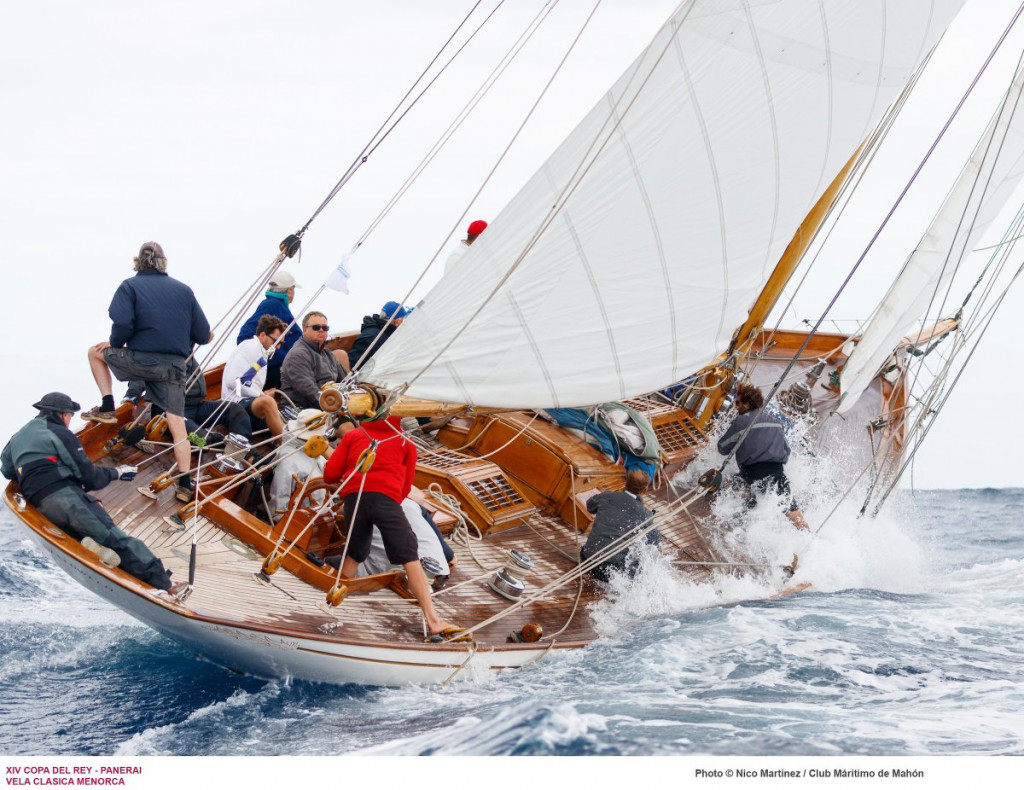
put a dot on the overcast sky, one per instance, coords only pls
(216, 128)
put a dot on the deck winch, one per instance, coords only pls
(508, 582)
(232, 460)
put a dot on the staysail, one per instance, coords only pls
(631, 256)
(988, 180)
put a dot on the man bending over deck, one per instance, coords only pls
(616, 515)
(379, 493)
(54, 474)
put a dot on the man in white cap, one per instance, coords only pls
(279, 295)
(54, 474)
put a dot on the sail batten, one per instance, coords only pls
(643, 241)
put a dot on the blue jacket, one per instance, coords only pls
(372, 326)
(273, 304)
(766, 441)
(154, 312)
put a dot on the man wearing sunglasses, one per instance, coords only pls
(309, 365)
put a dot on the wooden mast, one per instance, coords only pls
(714, 378)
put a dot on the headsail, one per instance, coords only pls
(987, 182)
(631, 256)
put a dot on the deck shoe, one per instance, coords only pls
(96, 415)
(185, 491)
(451, 634)
(108, 557)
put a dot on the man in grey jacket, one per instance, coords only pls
(54, 474)
(762, 449)
(618, 514)
(309, 365)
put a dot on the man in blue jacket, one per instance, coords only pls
(54, 474)
(156, 323)
(279, 294)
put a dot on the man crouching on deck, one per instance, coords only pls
(379, 493)
(54, 474)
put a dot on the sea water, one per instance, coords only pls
(907, 643)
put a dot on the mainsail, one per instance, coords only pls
(631, 256)
(985, 185)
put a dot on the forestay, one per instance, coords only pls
(987, 182)
(630, 257)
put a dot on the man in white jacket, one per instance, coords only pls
(246, 372)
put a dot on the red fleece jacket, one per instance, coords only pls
(393, 470)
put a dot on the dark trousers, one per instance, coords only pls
(767, 476)
(81, 515)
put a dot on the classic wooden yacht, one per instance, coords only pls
(640, 267)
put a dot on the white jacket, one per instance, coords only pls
(246, 354)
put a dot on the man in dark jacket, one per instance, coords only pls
(156, 323)
(618, 514)
(309, 365)
(376, 328)
(51, 468)
(762, 449)
(280, 293)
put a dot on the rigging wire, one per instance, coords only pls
(385, 130)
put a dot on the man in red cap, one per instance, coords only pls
(476, 227)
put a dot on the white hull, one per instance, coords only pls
(275, 655)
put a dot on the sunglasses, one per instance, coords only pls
(318, 327)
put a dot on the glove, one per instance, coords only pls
(126, 472)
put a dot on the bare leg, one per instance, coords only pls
(179, 434)
(798, 520)
(419, 587)
(265, 407)
(342, 357)
(100, 371)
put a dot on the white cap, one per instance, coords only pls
(282, 281)
(300, 429)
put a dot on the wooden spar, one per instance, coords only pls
(361, 403)
(787, 264)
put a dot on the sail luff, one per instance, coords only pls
(985, 185)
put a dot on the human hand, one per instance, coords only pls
(126, 472)
(99, 347)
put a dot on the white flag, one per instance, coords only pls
(338, 279)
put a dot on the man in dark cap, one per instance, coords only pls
(54, 474)
(156, 323)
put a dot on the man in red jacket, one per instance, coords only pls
(384, 486)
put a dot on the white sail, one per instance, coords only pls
(987, 182)
(631, 256)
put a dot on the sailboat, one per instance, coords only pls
(636, 272)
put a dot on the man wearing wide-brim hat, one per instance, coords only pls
(54, 474)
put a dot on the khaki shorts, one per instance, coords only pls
(162, 374)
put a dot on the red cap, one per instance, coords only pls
(476, 227)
